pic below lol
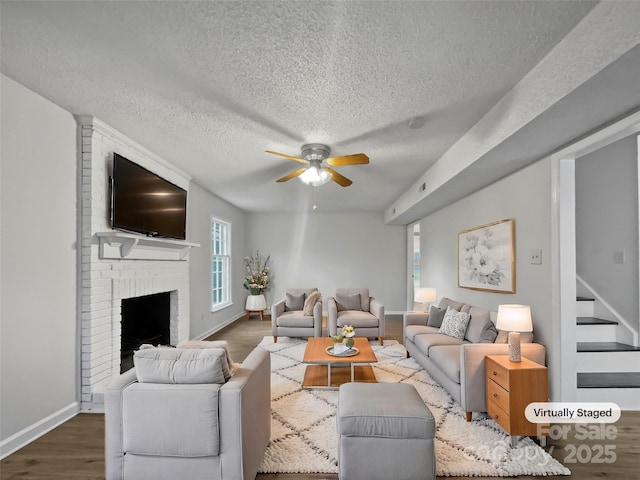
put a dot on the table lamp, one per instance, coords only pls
(514, 319)
(425, 296)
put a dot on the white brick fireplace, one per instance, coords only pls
(116, 266)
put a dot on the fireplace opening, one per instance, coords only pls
(144, 320)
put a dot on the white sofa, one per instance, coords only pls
(458, 364)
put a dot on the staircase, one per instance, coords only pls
(608, 370)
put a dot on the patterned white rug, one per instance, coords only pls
(303, 428)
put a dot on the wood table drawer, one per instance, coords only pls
(501, 417)
(497, 373)
(497, 395)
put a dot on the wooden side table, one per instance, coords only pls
(511, 386)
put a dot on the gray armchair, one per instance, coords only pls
(177, 418)
(354, 306)
(288, 318)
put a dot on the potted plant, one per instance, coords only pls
(256, 281)
(343, 341)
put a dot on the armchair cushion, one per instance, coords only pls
(436, 315)
(294, 301)
(455, 323)
(295, 319)
(177, 365)
(348, 302)
(357, 319)
(151, 410)
(310, 302)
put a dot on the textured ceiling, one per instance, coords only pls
(210, 85)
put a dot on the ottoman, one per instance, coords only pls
(385, 431)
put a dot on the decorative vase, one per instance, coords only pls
(255, 303)
(349, 342)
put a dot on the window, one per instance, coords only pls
(220, 263)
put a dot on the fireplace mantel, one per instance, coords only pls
(121, 245)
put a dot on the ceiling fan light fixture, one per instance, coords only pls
(315, 176)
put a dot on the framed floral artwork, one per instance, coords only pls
(486, 257)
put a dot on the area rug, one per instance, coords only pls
(303, 425)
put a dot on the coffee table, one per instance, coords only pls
(329, 371)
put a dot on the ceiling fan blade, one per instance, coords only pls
(290, 157)
(339, 179)
(355, 159)
(298, 172)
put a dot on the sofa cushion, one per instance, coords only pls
(294, 319)
(357, 319)
(170, 420)
(348, 302)
(447, 302)
(310, 302)
(412, 330)
(454, 324)
(436, 315)
(294, 301)
(428, 340)
(479, 318)
(177, 365)
(503, 337)
(448, 359)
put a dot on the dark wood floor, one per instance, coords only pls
(75, 450)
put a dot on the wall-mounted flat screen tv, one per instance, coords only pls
(143, 202)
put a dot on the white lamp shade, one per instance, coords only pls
(425, 295)
(514, 318)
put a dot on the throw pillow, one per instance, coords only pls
(454, 323)
(489, 333)
(348, 302)
(436, 315)
(294, 301)
(310, 302)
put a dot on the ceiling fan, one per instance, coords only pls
(318, 170)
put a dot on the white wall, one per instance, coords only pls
(524, 196)
(330, 250)
(201, 206)
(607, 221)
(38, 255)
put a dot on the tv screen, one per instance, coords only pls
(146, 203)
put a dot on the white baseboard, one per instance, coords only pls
(217, 328)
(27, 435)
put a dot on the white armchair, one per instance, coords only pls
(354, 306)
(289, 318)
(175, 417)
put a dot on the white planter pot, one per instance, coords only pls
(255, 303)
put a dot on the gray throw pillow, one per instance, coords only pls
(348, 302)
(436, 315)
(489, 333)
(454, 323)
(294, 301)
